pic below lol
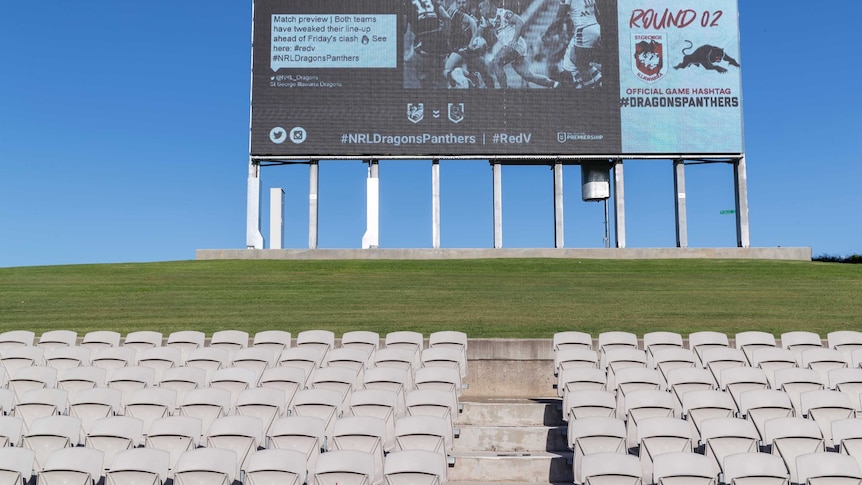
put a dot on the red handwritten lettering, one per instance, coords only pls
(650, 19)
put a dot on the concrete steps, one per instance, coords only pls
(510, 441)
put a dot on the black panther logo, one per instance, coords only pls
(706, 56)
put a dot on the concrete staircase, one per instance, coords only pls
(511, 441)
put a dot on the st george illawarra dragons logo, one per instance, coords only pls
(649, 51)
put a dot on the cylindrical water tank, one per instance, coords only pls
(595, 181)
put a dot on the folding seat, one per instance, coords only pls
(736, 380)
(452, 339)
(752, 340)
(11, 428)
(7, 401)
(363, 340)
(759, 406)
(361, 433)
(572, 340)
(182, 380)
(657, 436)
(320, 340)
(611, 469)
(16, 465)
(111, 358)
(755, 469)
(645, 404)
(174, 435)
(431, 433)
(791, 437)
(722, 437)
(186, 341)
(352, 358)
(210, 466)
(89, 405)
(143, 339)
(655, 341)
(701, 341)
(160, 359)
(234, 380)
(669, 358)
(306, 358)
(856, 358)
(844, 340)
(128, 379)
(210, 359)
(51, 433)
(406, 340)
(390, 379)
(848, 381)
(305, 434)
(685, 379)
(824, 407)
(615, 340)
(257, 359)
(684, 469)
(114, 434)
(399, 358)
(274, 340)
(443, 378)
(823, 360)
(28, 378)
(575, 357)
(412, 467)
(269, 467)
(581, 379)
(205, 404)
(262, 403)
(431, 402)
(616, 360)
(795, 381)
(63, 358)
(4, 379)
(55, 339)
(719, 358)
(797, 341)
(444, 357)
(38, 403)
(230, 340)
(378, 403)
(16, 338)
(827, 469)
(847, 437)
(341, 379)
(771, 359)
(698, 406)
(151, 404)
(72, 465)
(324, 404)
(344, 467)
(20, 357)
(631, 379)
(595, 435)
(100, 339)
(242, 434)
(139, 466)
(289, 380)
(587, 403)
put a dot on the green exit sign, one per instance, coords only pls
(728, 211)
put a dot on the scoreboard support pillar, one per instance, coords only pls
(497, 169)
(619, 205)
(435, 204)
(740, 189)
(276, 218)
(371, 238)
(559, 233)
(679, 203)
(253, 237)
(313, 186)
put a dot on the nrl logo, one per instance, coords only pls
(649, 65)
(415, 112)
(456, 112)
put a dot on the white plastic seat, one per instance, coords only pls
(611, 469)
(771, 359)
(701, 341)
(16, 338)
(143, 339)
(698, 406)
(660, 340)
(847, 437)
(588, 403)
(399, 358)
(581, 379)
(361, 433)
(344, 467)
(114, 434)
(274, 340)
(761, 405)
(736, 380)
(445, 357)
(206, 466)
(595, 435)
(645, 404)
(111, 358)
(827, 469)
(257, 359)
(11, 429)
(151, 404)
(262, 403)
(684, 379)
(617, 359)
(684, 469)
(717, 359)
(432, 402)
(75, 379)
(340, 379)
(181, 380)
(755, 469)
(38, 403)
(139, 466)
(230, 340)
(206, 404)
(305, 434)
(364, 340)
(415, 467)
(573, 357)
(274, 466)
(849, 381)
(665, 359)
(160, 359)
(572, 340)
(56, 339)
(72, 465)
(29, 378)
(51, 433)
(186, 341)
(795, 381)
(174, 435)
(320, 340)
(63, 358)
(351, 357)
(319, 403)
(16, 465)
(209, 359)
(632, 379)
(791, 437)
(18, 357)
(798, 341)
(450, 339)
(615, 340)
(130, 379)
(660, 435)
(289, 380)
(406, 340)
(822, 360)
(242, 434)
(234, 380)
(431, 433)
(7, 401)
(391, 379)
(751, 340)
(844, 340)
(306, 358)
(378, 403)
(90, 405)
(723, 437)
(100, 338)
(824, 407)
(443, 378)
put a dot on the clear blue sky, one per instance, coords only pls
(124, 138)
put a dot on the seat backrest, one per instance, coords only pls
(347, 467)
(18, 464)
(129, 464)
(275, 340)
(415, 466)
(364, 340)
(101, 338)
(741, 466)
(811, 468)
(67, 463)
(572, 339)
(693, 467)
(276, 466)
(194, 464)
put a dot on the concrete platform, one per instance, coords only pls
(794, 254)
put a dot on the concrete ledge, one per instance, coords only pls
(794, 254)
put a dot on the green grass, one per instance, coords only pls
(507, 298)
